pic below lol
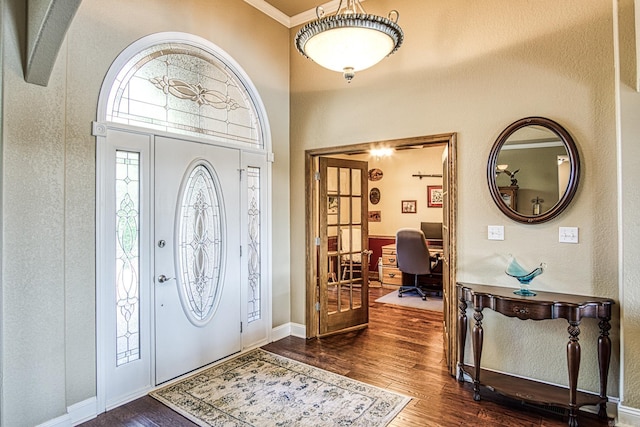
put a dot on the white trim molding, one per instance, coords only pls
(292, 21)
(298, 330)
(280, 332)
(77, 413)
(628, 416)
(293, 329)
(271, 11)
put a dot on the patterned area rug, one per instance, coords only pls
(263, 389)
(433, 303)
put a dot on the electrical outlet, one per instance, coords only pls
(568, 235)
(495, 232)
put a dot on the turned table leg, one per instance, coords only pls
(462, 334)
(573, 363)
(478, 336)
(604, 357)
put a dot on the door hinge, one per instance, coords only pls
(317, 241)
(241, 250)
(316, 176)
(240, 171)
(240, 327)
(317, 306)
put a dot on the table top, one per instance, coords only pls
(543, 305)
(541, 297)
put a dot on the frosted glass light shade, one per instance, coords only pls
(349, 42)
(355, 47)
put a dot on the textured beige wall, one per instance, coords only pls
(474, 68)
(630, 237)
(630, 206)
(49, 184)
(397, 184)
(33, 259)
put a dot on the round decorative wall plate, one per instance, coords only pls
(374, 196)
(375, 174)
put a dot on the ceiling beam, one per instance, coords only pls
(47, 25)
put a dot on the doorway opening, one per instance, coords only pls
(320, 271)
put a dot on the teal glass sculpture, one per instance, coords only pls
(524, 277)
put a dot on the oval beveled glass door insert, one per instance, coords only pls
(200, 244)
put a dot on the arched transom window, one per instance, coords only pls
(180, 88)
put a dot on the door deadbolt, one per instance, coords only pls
(161, 243)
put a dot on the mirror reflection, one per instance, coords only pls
(532, 170)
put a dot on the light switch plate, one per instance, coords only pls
(495, 232)
(568, 235)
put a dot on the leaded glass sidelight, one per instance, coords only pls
(200, 243)
(127, 255)
(253, 175)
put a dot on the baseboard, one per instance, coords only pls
(61, 421)
(76, 414)
(628, 417)
(293, 329)
(298, 330)
(122, 400)
(83, 411)
(280, 332)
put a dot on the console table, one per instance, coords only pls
(545, 305)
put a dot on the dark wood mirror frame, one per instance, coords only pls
(574, 174)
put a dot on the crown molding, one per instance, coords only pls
(310, 14)
(295, 20)
(270, 11)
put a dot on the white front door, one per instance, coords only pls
(197, 270)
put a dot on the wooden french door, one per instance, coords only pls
(449, 294)
(343, 256)
(448, 291)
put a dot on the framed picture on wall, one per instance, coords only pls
(374, 196)
(409, 206)
(434, 196)
(375, 216)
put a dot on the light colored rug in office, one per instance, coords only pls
(433, 303)
(264, 389)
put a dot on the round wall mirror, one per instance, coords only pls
(533, 170)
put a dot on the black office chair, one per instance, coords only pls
(413, 257)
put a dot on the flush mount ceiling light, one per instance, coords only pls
(381, 152)
(349, 40)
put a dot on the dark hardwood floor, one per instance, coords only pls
(401, 351)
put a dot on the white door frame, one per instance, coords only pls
(256, 334)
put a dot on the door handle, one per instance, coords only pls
(162, 278)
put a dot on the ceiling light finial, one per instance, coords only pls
(349, 40)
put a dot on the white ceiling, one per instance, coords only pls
(293, 12)
(294, 7)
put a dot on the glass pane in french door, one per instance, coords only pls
(343, 254)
